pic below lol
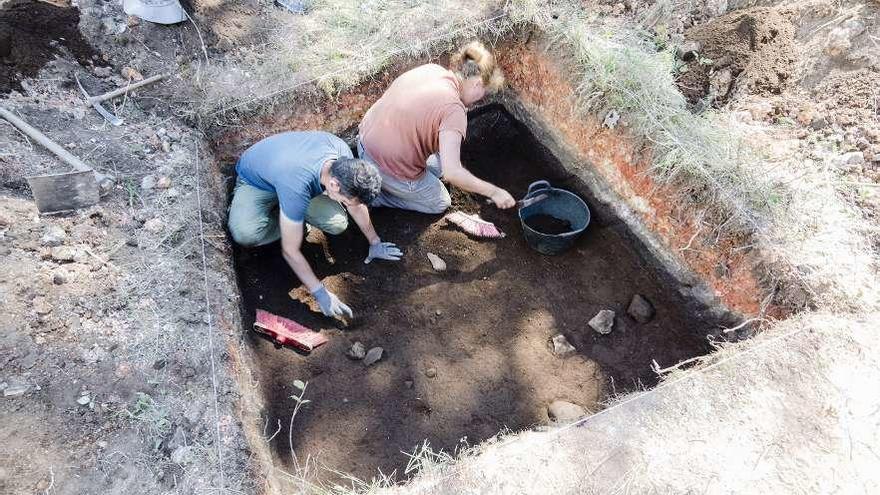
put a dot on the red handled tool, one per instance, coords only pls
(287, 332)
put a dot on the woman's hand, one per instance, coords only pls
(502, 199)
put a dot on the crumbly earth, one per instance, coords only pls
(467, 351)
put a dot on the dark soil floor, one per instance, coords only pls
(31, 33)
(466, 350)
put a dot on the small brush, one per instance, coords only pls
(474, 225)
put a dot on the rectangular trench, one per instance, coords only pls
(466, 351)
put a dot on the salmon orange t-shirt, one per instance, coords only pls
(402, 129)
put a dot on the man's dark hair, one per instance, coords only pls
(357, 179)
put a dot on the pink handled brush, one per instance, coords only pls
(474, 225)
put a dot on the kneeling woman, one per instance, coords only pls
(413, 133)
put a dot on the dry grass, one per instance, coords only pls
(339, 44)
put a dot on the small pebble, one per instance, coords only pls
(373, 355)
(356, 352)
(431, 372)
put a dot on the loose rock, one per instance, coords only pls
(431, 372)
(640, 309)
(54, 236)
(561, 346)
(611, 119)
(102, 71)
(806, 114)
(163, 182)
(603, 322)
(356, 352)
(851, 159)
(148, 182)
(154, 225)
(131, 73)
(64, 253)
(437, 263)
(688, 50)
(760, 110)
(373, 355)
(564, 412)
(719, 84)
(182, 455)
(84, 400)
(15, 390)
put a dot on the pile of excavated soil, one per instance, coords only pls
(30, 34)
(749, 51)
(851, 98)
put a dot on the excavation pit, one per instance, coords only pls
(467, 351)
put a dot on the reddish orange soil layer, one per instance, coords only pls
(539, 83)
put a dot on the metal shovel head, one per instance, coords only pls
(63, 192)
(158, 11)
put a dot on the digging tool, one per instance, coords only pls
(121, 91)
(526, 201)
(60, 192)
(109, 117)
(287, 332)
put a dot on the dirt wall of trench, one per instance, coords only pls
(540, 94)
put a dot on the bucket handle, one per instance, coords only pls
(536, 186)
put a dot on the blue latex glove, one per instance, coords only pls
(383, 251)
(330, 304)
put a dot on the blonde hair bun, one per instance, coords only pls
(475, 60)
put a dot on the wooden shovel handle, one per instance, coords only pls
(41, 138)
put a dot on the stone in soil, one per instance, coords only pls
(561, 346)
(131, 73)
(437, 263)
(59, 278)
(719, 83)
(154, 225)
(431, 372)
(148, 182)
(54, 236)
(564, 412)
(15, 390)
(373, 355)
(163, 182)
(356, 352)
(65, 253)
(182, 455)
(603, 322)
(640, 309)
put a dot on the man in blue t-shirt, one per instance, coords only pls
(309, 177)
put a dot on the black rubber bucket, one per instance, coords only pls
(560, 204)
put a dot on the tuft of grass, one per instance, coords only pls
(341, 43)
(622, 69)
(153, 418)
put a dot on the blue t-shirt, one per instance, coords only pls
(289, 164)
